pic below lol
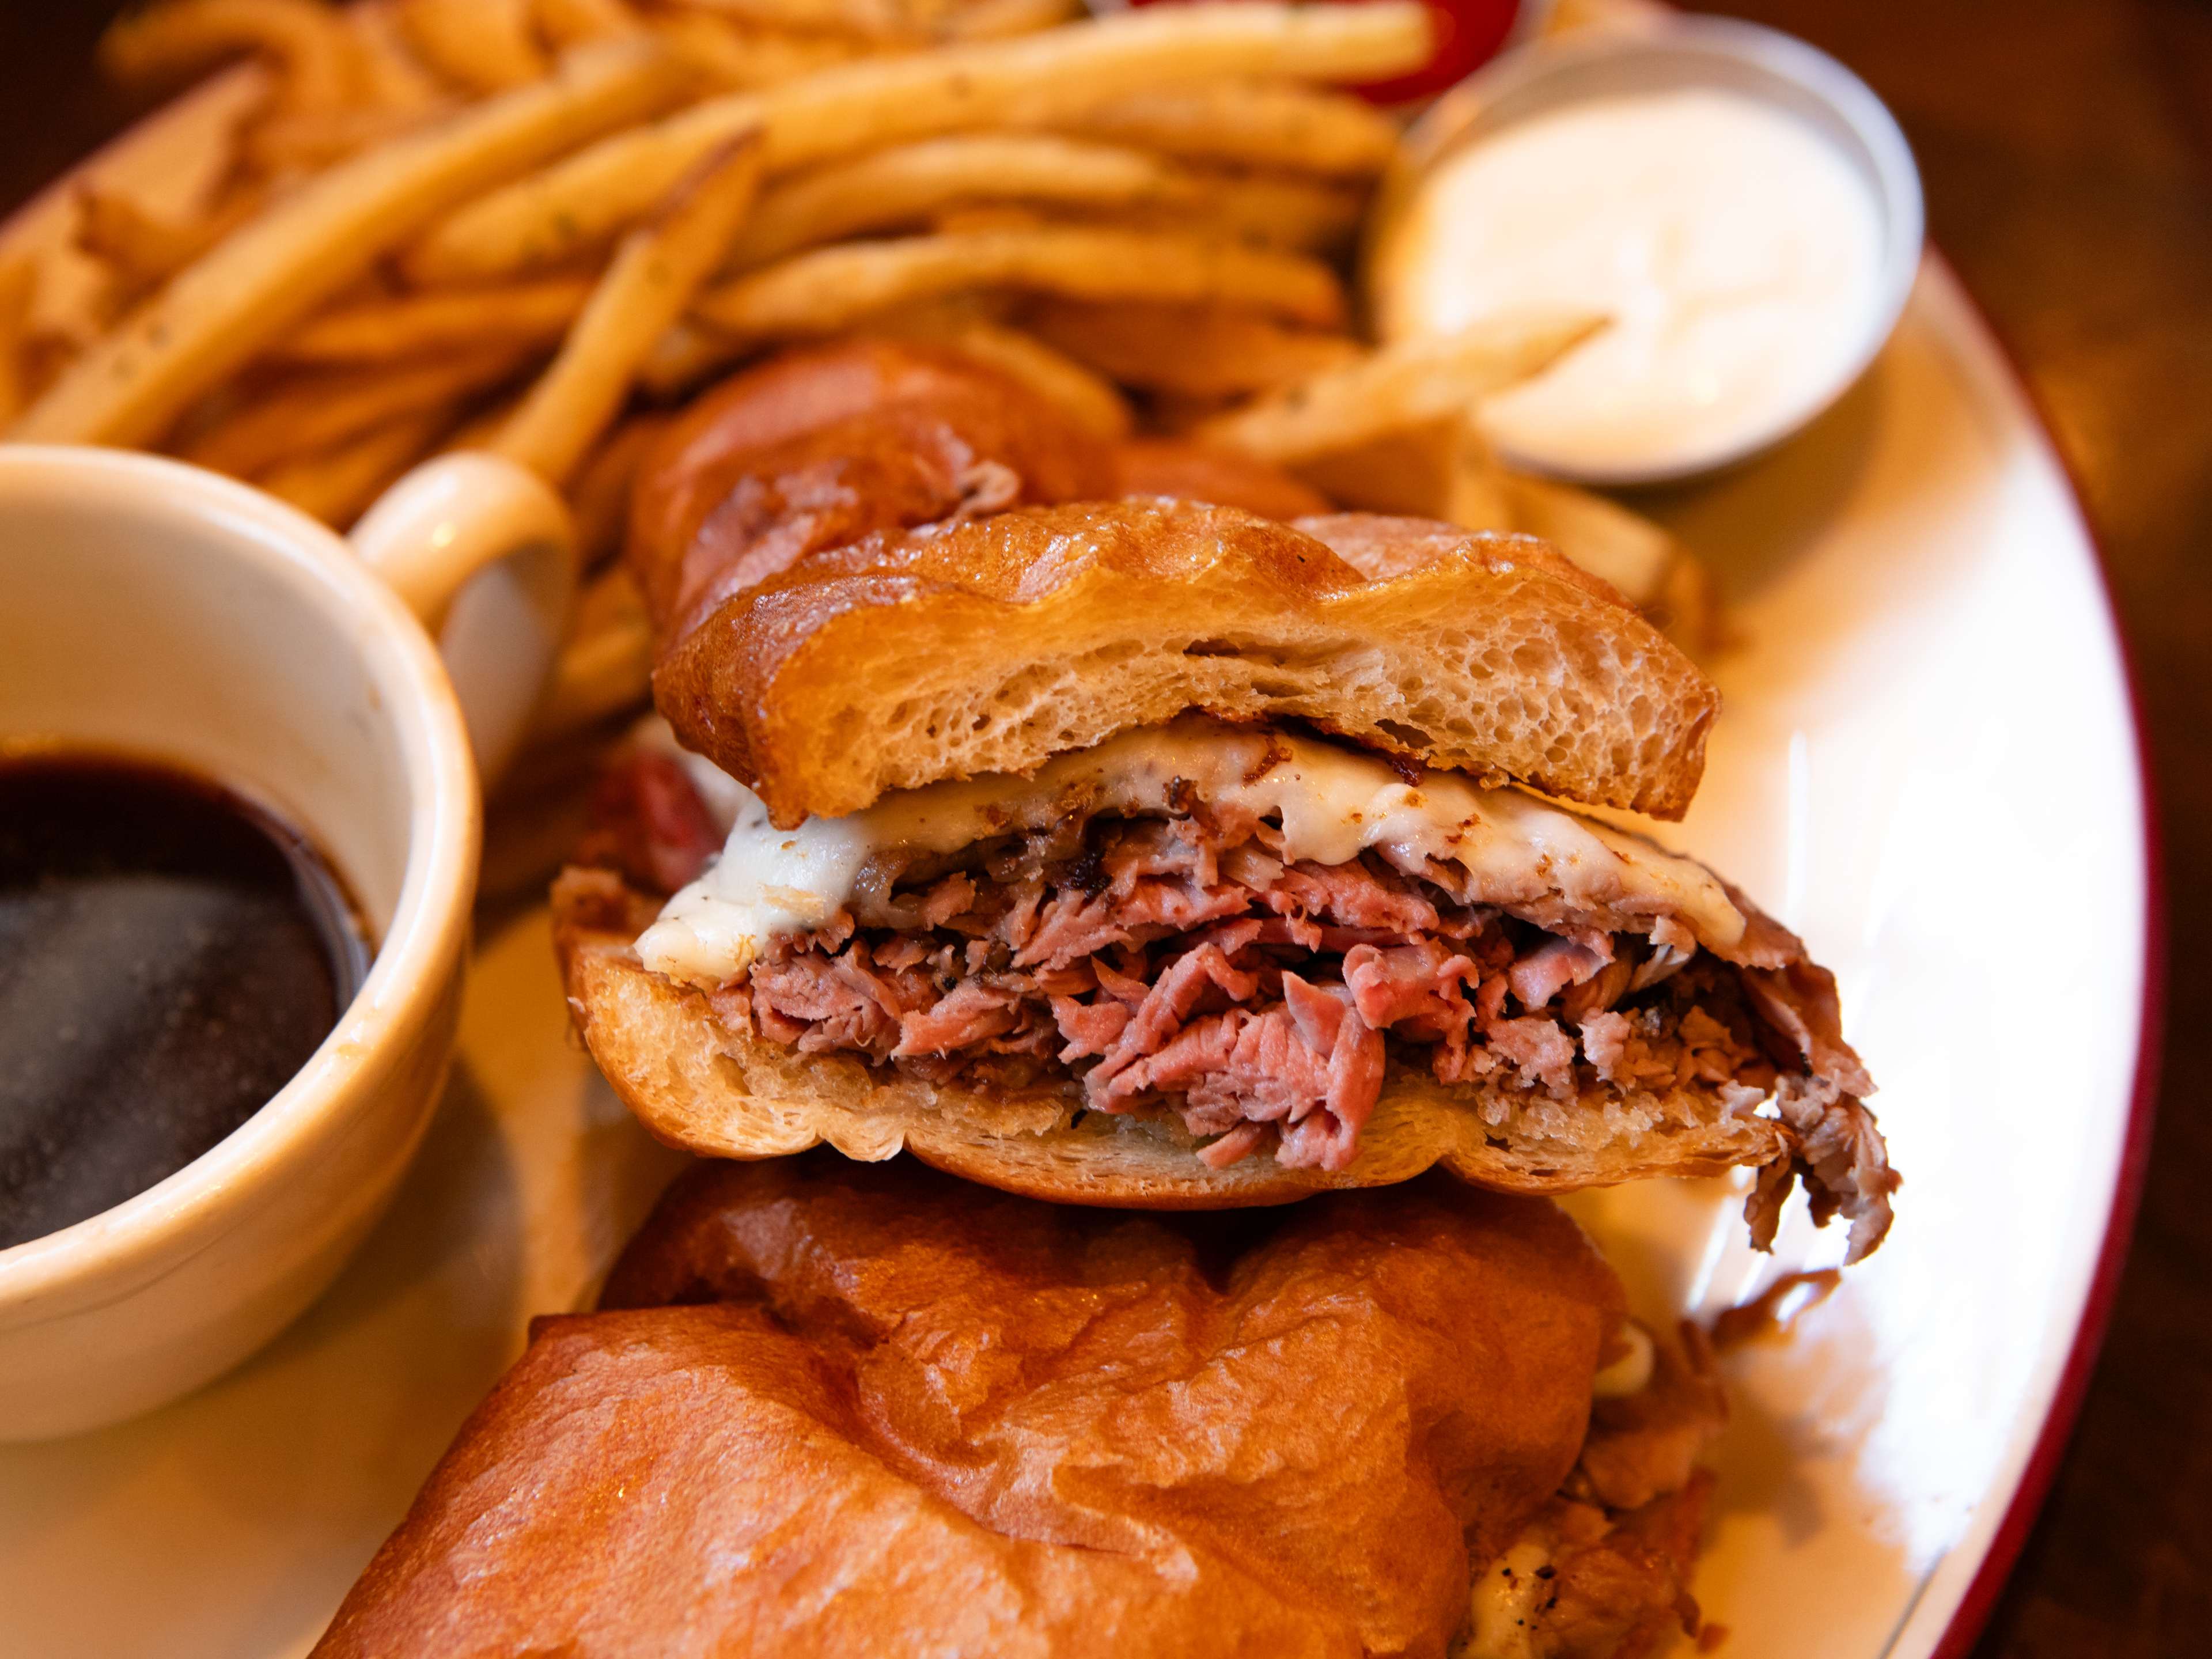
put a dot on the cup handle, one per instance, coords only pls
(483, 552)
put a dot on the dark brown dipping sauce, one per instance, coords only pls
(170, 955)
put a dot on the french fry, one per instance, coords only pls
(1306, 215)
(1089, 401)
(385, 68)
(1244, 124)
(577, 204)
(830, 288)
(655, 273)
(418, 324)
(1408, 385)
(605, 664)
(908, 183)
(1653, 571)
(19, 291)
(175, 40)
(730, 58)
(309, 415)
(1201, 352)
(257, 284)
(598, 496)
(309, 140)
(574, 22)
(485, 46)
(882, 20)
(1001, 20)
(141, 250)
(339, 486)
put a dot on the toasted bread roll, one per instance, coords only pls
(821, 446)
(829, 1410)
(900, 660)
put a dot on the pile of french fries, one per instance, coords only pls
(533, 226)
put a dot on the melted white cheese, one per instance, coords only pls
(1333, 803)
(1503, 1606)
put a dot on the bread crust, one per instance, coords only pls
(697, 1084)
(905, 657)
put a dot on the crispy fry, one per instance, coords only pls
(577, 204)
(19, 291)
(828, 288)
(312, 414)
(1001, 20)
(731, 58)
(385, 68)
(1089, 401)
(881, 21)
(573, 22)
(176, 39)
(606, 664)
(905, 184)
(483, 45)
(1301, 214)
(140, 249)
(1601, 535)
(255, 285)
(1403, 385)
(1201, 352)
(417, 325)
(1244, 124)
(307, 141)
(598, 496)
(339, 486)
(652, 279)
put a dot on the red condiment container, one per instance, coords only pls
(1469, 34)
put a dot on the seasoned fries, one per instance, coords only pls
(1244, 124)
(317, 413)
(1398, 388)
(416, 325)
(1201, 352)
(568, 23)
(1143, 219)
(176, 37)
(599, 494)
(576, 206)
(386, 70)
(832, 288)
(606, 667)
(485, 46)
(339, 486)
(140, 250)
(908, 183)
(255, 286)
(1090, 401)
(652, 280)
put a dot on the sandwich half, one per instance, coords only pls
(1150, 853)
(830, 1409)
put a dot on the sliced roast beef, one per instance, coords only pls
(1181, 964)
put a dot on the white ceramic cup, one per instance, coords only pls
(153, 608)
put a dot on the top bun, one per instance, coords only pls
(905, 657)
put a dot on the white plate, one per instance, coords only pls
(1930, 721)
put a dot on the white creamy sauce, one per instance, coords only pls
(1736, 251)
(1332, 803)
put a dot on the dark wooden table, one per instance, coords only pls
(2065, 145)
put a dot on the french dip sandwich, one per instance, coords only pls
(825, 1408)
(1152, 853)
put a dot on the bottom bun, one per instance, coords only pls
(697, 1085)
